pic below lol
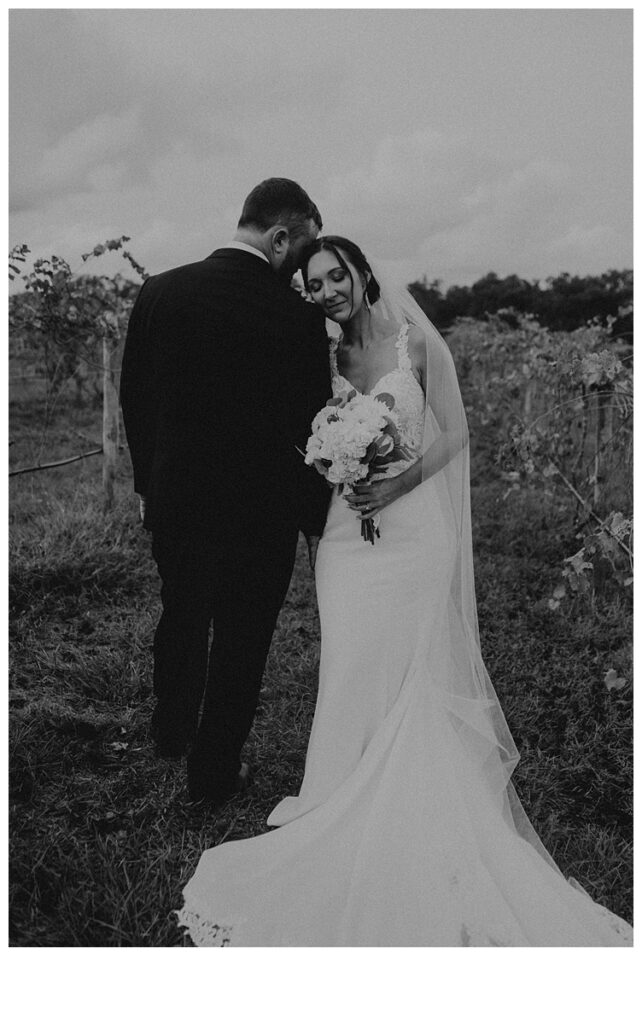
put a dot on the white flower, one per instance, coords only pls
(343, 432)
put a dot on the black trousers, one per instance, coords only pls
(239, 590)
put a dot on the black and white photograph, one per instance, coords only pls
(320, 478)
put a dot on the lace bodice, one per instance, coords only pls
(401, 383)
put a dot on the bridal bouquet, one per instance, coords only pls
(354, 438)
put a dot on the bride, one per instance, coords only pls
(407, 830)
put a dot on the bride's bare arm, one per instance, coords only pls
(444, 408)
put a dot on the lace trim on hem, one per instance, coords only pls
(203, 932)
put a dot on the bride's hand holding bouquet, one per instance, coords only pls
(370, 498)
(355, 439)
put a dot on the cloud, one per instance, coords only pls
(413, 186)
(88, 155)
(157, 122)
(453, 209)
(89, 147)
(156, 89)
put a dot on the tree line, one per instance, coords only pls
(561, 303)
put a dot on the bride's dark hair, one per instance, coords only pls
(337, 246)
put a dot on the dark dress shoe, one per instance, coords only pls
(202, 790)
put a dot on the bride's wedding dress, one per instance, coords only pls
(406, 831)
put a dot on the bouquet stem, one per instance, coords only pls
(369, 531)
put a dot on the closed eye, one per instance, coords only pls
(335, 276)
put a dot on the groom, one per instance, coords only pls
(224, 367)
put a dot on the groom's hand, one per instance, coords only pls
(313, 543)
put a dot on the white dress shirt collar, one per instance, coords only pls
(247, 248)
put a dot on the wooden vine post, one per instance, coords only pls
(110, 416)
(603, 433)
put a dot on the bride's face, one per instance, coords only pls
(338, 291)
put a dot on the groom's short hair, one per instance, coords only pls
(279, 201)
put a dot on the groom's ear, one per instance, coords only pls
(280, 240)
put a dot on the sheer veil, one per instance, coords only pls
(464, 683)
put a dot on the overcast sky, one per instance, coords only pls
(451, 142)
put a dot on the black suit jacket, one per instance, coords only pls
(223, 370)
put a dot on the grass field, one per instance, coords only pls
(102, 840)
